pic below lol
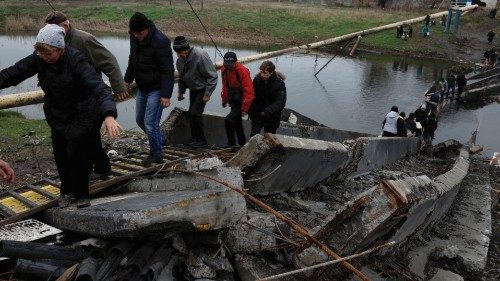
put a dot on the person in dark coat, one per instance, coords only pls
(427, 20)
(410, 124)
(76, 103)
(401, 125)
(103, 61)
(451, 80)
(152, 66)
(237, 91)
(429, 125)
(461, 84)
(491, 35)
(270, 99)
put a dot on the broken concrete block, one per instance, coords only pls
(251, 268)
(372, 152)
(174, 204)
(244, 237)
(445, 275)
(178, 182)
(179, 244)
(302, 162)
(311, 256)
(176, 126)
(198, 269)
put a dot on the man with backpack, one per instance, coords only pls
(238, 93)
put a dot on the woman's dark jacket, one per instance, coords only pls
(270, 96)
(151, 64)
(76, 98)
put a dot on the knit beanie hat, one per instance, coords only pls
(51, 34)
(56, 17)
(139, 22)
(180, 43)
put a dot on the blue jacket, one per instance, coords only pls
(151, 64)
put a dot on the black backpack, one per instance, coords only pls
(234, 94)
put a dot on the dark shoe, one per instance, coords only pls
(190, 142)
(83, 202)
(98, 176)
(152, 159)
(64, 200)
(199, 144)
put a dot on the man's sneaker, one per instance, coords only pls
(64, 200)
(152, 159)
(98, 176)
(199, 144)
(83, 202)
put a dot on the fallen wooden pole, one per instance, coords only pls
(325, 263)
(22, 99)
(353, 50)
(295, 226)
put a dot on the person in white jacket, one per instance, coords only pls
(390, 124)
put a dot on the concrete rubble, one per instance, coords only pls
(349, 190)
(161, 205)
(265, 165)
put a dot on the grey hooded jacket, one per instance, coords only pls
(197, 72)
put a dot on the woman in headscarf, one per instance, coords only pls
(76, 103)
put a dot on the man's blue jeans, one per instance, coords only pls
(148, 115)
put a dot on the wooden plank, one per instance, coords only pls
(124, 167)
(28, 213)
(23, 199)
(41, 191)
(6, 212)
(52, 182)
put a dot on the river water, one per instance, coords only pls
(350, 93)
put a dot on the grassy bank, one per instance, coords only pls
(269, 25)
(254, 24)
(15, 125)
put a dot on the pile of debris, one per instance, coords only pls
(281, 203)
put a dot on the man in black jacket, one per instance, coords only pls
(151, 65)
(269, 101)
(76, 103)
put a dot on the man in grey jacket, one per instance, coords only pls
(198, 74)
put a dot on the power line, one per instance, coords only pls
(213, 42)
(53, 9)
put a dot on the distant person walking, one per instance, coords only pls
(103, 61)
(238, 93)
(429, 125)
(198, 74)
(390, 123)
(270, 99)
(151, 65)
(491, 35)
(461, 84)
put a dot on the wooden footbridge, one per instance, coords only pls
(34, 198)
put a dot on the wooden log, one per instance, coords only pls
(353, 50)
(22, 99)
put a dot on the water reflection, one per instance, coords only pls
(349, 94)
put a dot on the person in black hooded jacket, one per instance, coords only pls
(76, 103)
(152, 66)
(269, 101)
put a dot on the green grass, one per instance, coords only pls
(15, 125)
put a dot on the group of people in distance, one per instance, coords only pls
(69, 62)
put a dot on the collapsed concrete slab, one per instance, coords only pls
(176, 126)
(384, 209)
(372, 152)
(170, 204)
(296, 165)
(464, 249)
